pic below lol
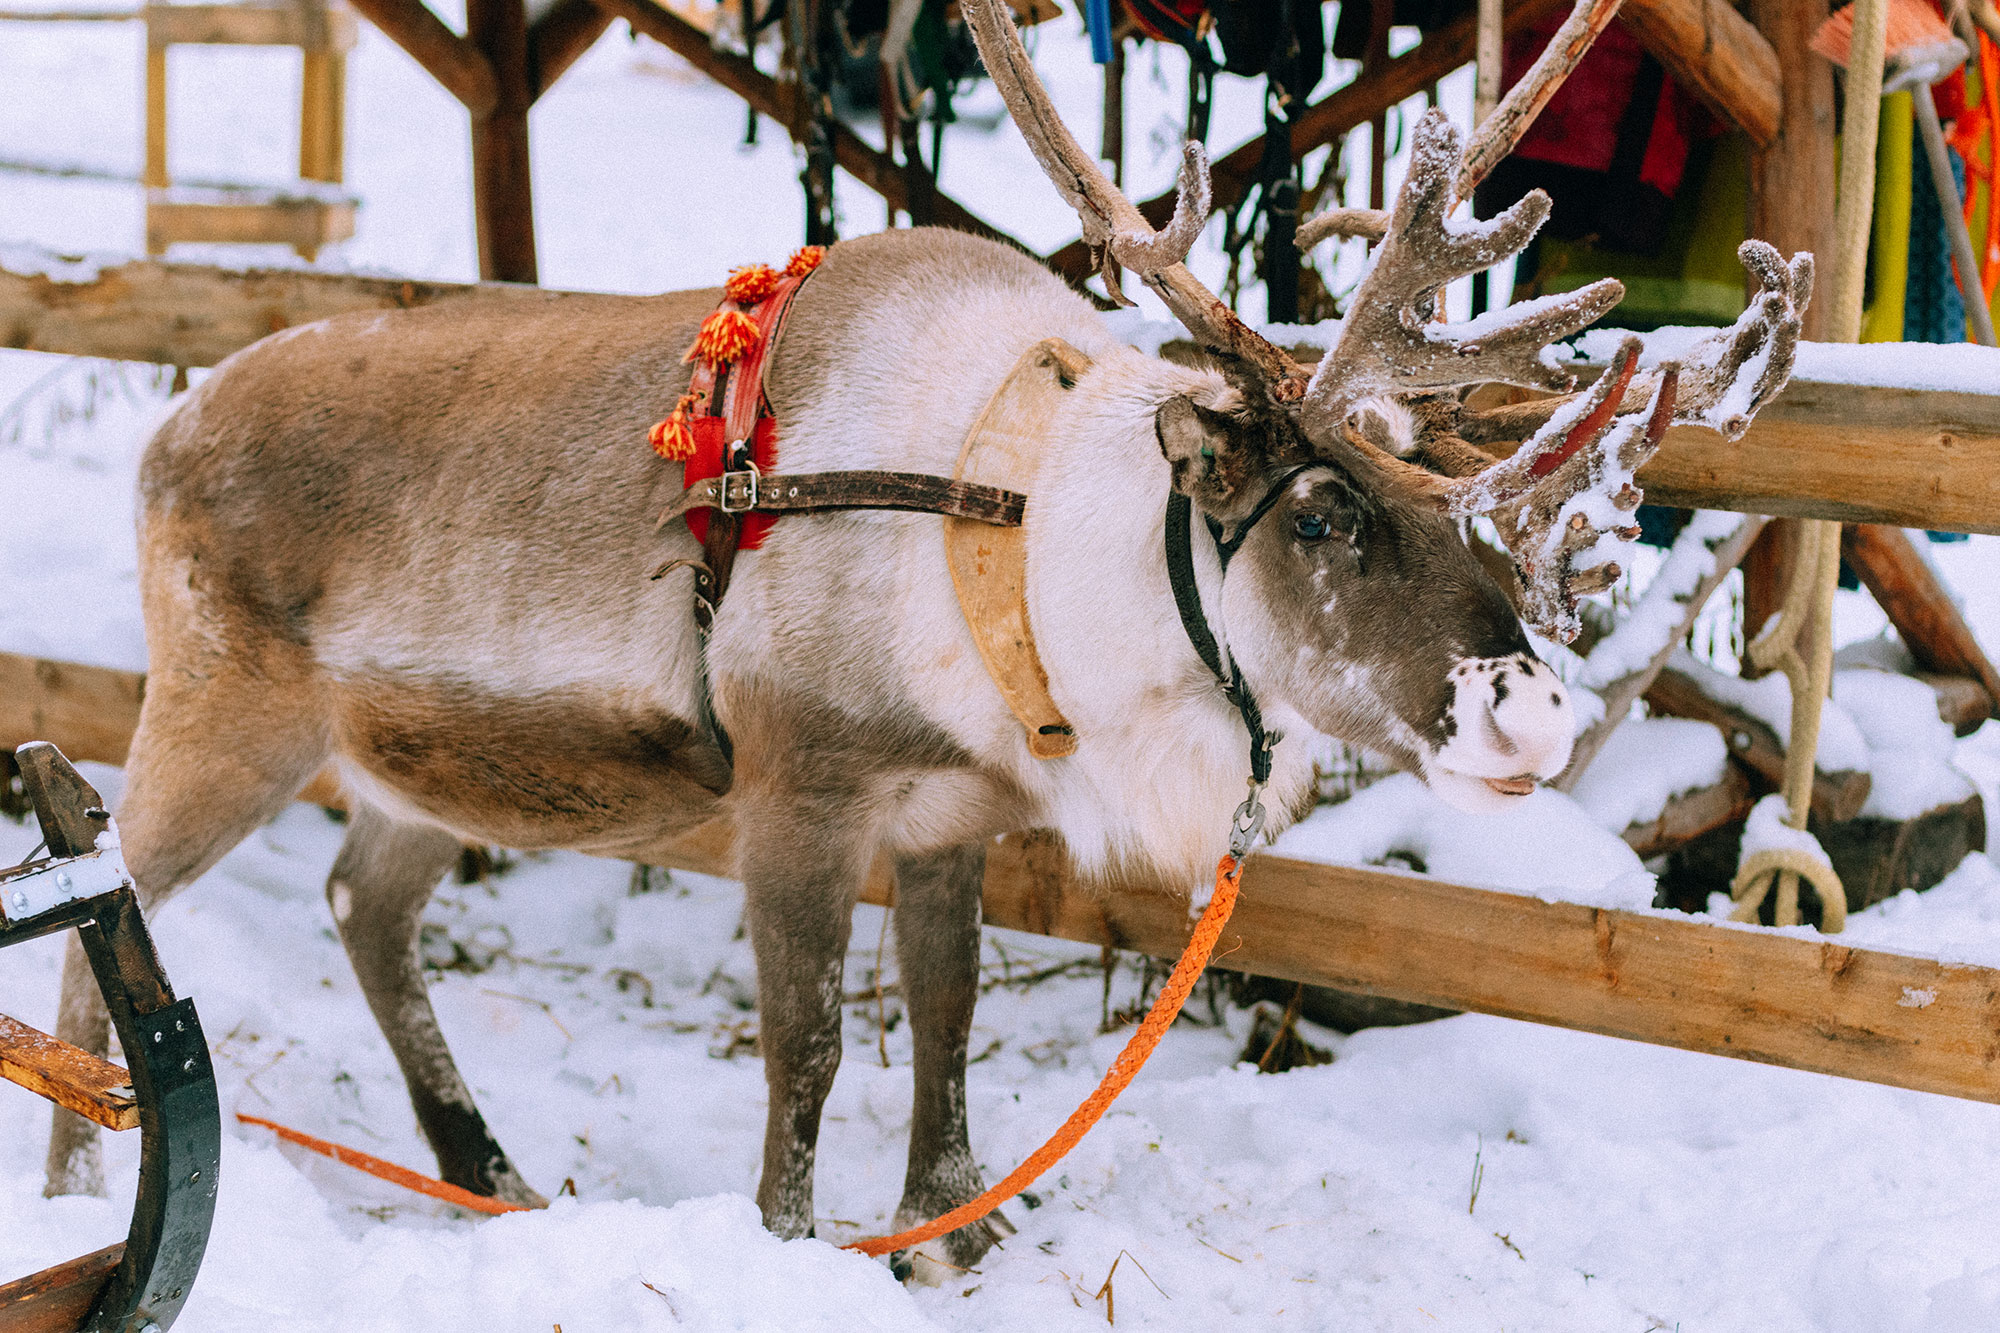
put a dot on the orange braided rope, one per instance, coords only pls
(1228, 874)
(389, 1171)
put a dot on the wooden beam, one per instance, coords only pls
(502, 186)
(88, 711)
(559, 38)
(59, 1299)
(1354, 104)
(1716, 54)
(873, 168)
(314, 28)
(1647, 976)
(93, 1087)
(194, 314)
(1691, 814)
(1791, 180)
(1918, 604)
(445, 56)
(1905, 457)
(1961, 701)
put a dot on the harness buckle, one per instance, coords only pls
(1246, 823)
(738, 493)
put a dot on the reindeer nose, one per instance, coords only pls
(1509, 725)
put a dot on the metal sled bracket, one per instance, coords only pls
(167, 1092)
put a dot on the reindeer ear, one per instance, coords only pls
(1212, 453)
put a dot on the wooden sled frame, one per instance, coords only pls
(168, 1094)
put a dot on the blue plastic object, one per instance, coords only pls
(1097, 17)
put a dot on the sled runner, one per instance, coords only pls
(166, 1092)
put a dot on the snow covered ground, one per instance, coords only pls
(1468, 1174)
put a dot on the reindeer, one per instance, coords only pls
(416, 546)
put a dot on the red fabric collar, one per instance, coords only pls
(731, 405)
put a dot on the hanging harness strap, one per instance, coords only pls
(1187, 601)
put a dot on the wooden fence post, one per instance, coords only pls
(502, 192)
(1791, 206)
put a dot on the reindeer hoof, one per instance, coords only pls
(949, 1256)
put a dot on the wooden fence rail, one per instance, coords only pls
(1656, 977)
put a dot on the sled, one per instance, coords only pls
(167, 1093)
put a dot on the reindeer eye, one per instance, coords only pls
(1312, 527)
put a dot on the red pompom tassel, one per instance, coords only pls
(804, 260)
(725, 335)
(673, 439)
(751, 284)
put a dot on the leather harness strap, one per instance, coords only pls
(1187, 601)
(748, 491)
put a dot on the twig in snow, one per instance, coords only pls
(251, 1081)
(1512, 1246)
(1204, 1244)
(672, 1309)
(1478, 1174)
(1106, 1294)
(542, 1005)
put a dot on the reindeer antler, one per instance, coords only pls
(1116, 231)
(1570, 487)
(1725, 379)
(1389, 342)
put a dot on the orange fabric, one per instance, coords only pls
(1166, 1007)
(750, 284)
(389, 1171)
(804, 260)
(725, 335)
(673, 439)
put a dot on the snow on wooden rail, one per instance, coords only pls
(1657, 977)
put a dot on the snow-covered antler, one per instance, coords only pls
(1729, 375)
(1117, 233)
(1725, 379)
(1570, 486)
(1390, 341)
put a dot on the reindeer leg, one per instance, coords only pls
(937, 954)
(802, 872)
(385, 873)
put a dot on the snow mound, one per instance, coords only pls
(1647, 762)
(1545, 844)
(701, 1264)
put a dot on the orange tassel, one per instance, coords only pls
(673, 439)
(750, 284)
(804, 260)
(725, 335)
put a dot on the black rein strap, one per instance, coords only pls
(1187, 600)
